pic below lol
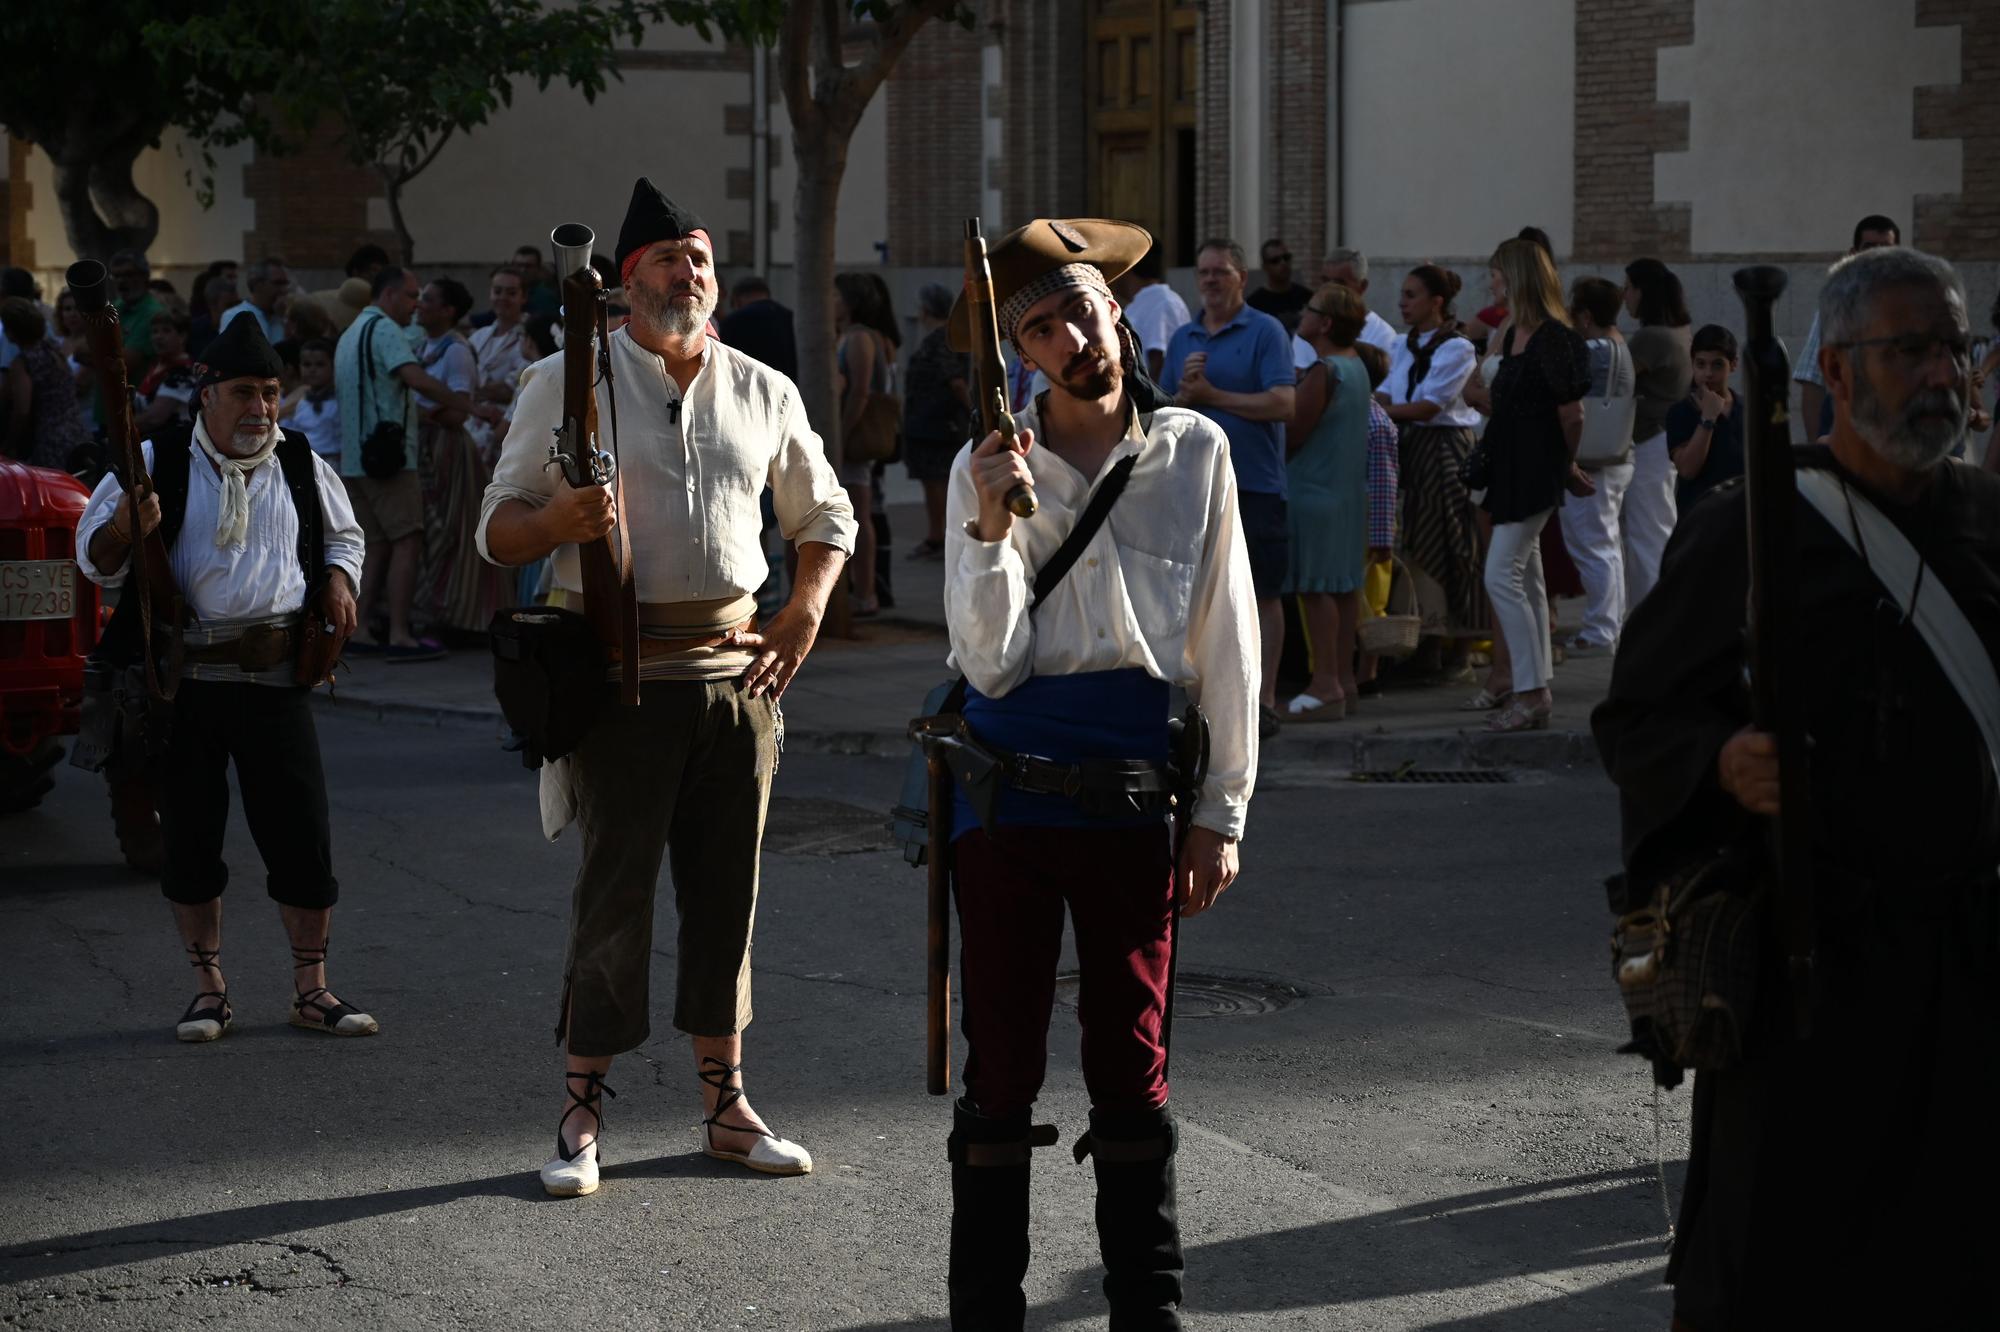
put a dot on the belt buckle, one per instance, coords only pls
(1072, 781)
(262, 647)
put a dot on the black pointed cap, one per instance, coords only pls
(652, 217)
(241, 350)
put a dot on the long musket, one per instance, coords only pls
(1776, 671)
(989, 370)
(610, 601)
(151, 579)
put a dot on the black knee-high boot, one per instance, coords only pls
(1138, 1227)
(989, 1217)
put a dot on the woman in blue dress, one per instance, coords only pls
(1327, 507)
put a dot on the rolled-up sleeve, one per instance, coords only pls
(103, 503)
(810, 503)
(1450, 368)
(1225, 659)
(521, 473)
(985, 595)
(345, 544)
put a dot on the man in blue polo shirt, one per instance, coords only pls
(1233, 364)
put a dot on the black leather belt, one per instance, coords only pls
(1040, 776)
(263, 647)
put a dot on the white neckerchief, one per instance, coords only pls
(232, 516)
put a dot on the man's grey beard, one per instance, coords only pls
(1932, 424)
(659, 314)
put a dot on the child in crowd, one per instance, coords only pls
(313, 408)
(1705, 429)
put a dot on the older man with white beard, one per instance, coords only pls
(686, 774)
(1828, 1174)
(257, 528)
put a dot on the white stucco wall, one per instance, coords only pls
(1459, 123)
(1800, 121)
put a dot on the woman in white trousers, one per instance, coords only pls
(1530, 451)
(1590, 523)
(1663, 368)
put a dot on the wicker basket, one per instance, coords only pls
(1394, 633)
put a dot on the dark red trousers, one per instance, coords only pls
(1011, 889)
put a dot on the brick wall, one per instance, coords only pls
(312, 206)
(16, 197)
(1966, 225)
(935, 138)
(1211, 207)
(1045, 141)
(1298, 155)
(1620, 124)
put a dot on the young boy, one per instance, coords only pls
(169, 386)
(313, 408)
(1705, 430)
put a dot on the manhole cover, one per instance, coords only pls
(1436, 776)
(1198, 996)
(798, 826)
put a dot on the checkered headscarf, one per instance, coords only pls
(1087, 276)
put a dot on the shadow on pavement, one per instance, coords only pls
(1437, 1245)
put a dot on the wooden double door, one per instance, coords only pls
(1141, 81)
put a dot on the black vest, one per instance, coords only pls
(173, 457)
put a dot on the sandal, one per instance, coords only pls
(772, 1155)
(1520, 717)
(208, 1023)
(1486, 700)
(925, 550)
(573, 1171)
(334, 1019)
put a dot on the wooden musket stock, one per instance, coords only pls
(989, 370)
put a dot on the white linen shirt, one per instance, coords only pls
(692, 486)
(1377, 332)
(1164, 586)
(1444, 385)
(1155, 312)
(257, 580)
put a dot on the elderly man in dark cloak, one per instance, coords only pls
(1845, 1179)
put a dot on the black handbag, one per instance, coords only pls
(549, 675)
(383, 452)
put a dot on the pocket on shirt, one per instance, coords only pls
(1160, 591)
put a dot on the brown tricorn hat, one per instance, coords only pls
(1044, 246)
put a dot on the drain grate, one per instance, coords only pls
(802, 826)
(1437, 776)
(1198, 996)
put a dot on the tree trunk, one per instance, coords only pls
(822, 163)
(104, 175)
(392, 185)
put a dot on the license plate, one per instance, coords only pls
(37, 589)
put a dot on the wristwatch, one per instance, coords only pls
(1710, 425)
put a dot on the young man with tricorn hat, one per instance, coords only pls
(255, 525)
(701, 430)
(1072, 695)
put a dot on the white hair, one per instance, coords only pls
(1847, 301)
(1342, 254)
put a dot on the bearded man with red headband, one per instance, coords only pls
(1070, 691)
(687, 773)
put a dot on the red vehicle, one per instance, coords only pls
(48, 625)
(49, 622)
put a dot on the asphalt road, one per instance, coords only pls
(1410, 1117)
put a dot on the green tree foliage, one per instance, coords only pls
(83, 85)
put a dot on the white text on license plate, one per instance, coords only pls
(37, 589)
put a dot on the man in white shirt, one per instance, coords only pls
(1152, 308)
(1349, 268)
(258, 533)
(1161, 596)
(702, 431)
(270, 282)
